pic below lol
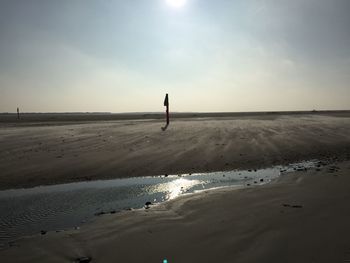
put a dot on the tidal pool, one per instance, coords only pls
(26, 212)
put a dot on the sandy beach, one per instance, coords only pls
(303, 217)
(300, 217)
(175, 131)
(42, 152)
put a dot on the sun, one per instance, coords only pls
(176, 3)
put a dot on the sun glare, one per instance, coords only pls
(176, 3)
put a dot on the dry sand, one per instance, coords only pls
(303, 217)
(36, 153)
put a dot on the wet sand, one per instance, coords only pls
(303, 217)
(41, 152)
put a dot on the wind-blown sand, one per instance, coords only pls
(36, 153)
(302, 217)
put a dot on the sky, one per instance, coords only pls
(209, 55)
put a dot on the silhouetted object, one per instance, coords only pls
(17, 113)
(166, 104)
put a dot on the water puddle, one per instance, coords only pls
(29, 211)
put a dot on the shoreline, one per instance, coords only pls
(164, 189)
(325, 161)
(255, 222)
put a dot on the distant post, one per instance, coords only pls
(17, 113)
(166, 103)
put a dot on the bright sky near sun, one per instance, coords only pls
(209, 55)
(176, 3)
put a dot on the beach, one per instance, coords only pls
(299, 217)
(43, 152)
(175, 131)
(302, 217)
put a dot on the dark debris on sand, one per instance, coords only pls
(147, 205)
(83, 260)
(292, 206)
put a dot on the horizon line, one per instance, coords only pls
(176, 112)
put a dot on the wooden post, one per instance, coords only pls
(18, 113)
(166, 103)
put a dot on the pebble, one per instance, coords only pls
(147, 205)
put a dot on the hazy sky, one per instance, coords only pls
(209, 55)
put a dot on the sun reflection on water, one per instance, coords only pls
(174, 188)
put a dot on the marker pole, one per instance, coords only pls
(166, 103)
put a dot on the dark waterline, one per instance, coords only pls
(26, 212)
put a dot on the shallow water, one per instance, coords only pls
(28, 211)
